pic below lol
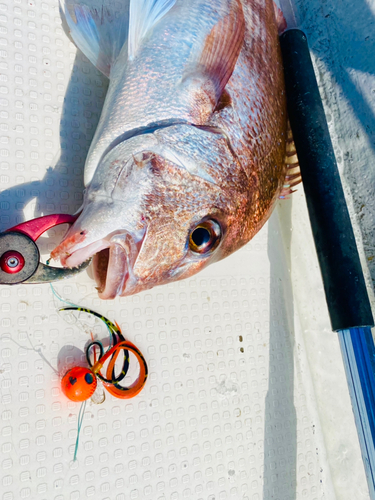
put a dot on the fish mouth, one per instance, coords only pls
(112, 260)
(111, 271)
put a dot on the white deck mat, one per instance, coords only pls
(246, 397)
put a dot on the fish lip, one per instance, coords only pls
(112, 278)
(110, 281)
(81, 255)
(112, 272)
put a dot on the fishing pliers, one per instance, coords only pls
(20, 257)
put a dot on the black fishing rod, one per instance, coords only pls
(344, 284)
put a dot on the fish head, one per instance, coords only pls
(146, 221)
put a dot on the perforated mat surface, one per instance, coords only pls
(246, 396)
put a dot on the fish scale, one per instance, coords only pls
(192, 137)
(150, 89)
(261, 138)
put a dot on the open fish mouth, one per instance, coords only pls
(111, 271)
(112, 260)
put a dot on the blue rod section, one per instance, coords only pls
(358, 354)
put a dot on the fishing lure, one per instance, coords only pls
(79, 383)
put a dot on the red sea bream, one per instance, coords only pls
(189, 155)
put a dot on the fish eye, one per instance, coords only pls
(205, 237)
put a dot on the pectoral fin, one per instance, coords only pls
(222, 48)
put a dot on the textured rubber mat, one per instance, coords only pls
(245, 397)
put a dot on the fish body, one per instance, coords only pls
(189, 155)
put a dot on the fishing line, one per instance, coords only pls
(85, 327)
(58, 296)
(79, 421)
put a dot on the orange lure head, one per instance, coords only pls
(79, 384)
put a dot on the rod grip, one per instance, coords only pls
(344, 284)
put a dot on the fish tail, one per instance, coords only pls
(98, 31)
(102, 31)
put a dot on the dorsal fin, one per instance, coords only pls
(280, 19)
(144, 14)
(99, 31)
(293, 173)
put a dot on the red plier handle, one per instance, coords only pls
(20, 257)
(36, 227)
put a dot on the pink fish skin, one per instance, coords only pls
(189, 156)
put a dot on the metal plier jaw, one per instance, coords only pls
(20, 257)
